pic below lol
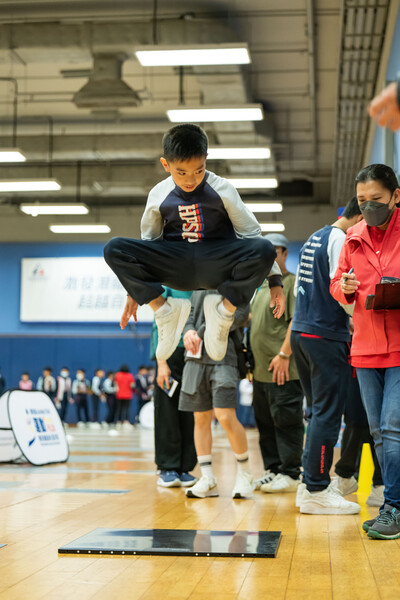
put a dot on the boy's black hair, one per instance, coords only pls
(351, 209)
(140, 367)
(184, 142)
(124, 369)
(378, 172)
(110, 373)
(82, 370)
(25, 373)
(48, 369)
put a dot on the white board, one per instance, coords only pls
(65, 290)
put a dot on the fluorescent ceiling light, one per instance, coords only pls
(10, 155)
(254, 182)
(272, 227)
(264, 206)
(212, 54)
(238, 153)
(200, 114)
(29, 185)
(94, 228)
(54, 209)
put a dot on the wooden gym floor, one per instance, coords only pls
(111, 482)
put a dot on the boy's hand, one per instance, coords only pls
(278, 301)
(191, 341)
(130, 310)
(280, 369)
(163, 374)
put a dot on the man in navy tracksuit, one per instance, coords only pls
(196, 234)
(319, 341)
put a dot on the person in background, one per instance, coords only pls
(2, 383)
(206, 385)
(80, 391)
(141, 390)
(278, 397)
(320, 344)
(175, 454)
(97, 396)
(25, 382)
(245, 411)
(372, 251)
(64, 392)
(356, 433)
(125, 383)
(47, 383)
(110, 390)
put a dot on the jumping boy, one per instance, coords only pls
(193, 205)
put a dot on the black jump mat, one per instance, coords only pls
(179, 542)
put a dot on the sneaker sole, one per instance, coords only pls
(183, 317)
(320, 510)
(375, 535)
(366, 528)
(166, 484)
(187, 484)
(212, 493)
(239, 496)
(279, 491)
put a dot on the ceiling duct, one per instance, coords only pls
(105, 88)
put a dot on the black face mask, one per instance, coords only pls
(375, 213)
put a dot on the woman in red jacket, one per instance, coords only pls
(371, 251)
(125, 382)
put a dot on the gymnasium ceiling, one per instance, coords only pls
(108, 157)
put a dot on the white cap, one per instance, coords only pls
(277, 239)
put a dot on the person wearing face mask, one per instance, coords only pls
(80, 390)
(64, 392)
(372, 251)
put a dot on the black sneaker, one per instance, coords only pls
(387, 525)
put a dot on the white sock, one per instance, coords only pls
(243, 462)
(205, 464)
(163, 310)
(224, 312)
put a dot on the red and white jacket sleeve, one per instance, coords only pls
(344, 266)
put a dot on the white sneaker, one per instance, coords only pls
(170, 326)
(344, 485)
(299, 496)
(204, 488)
(113, 432)
(80, 424)
(281, 483)
(244, 485)
(376, 496)
(217, 328)
(95, 425)
(266, 478)
(327, 502)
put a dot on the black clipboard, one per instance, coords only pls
(387, 295)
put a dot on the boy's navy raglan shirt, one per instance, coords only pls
(213, 211)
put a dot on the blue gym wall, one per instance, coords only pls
(30, 346)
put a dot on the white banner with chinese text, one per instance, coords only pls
(72, 290)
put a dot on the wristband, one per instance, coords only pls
(283, 355)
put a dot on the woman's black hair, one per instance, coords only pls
(378, 172)
(124, 369)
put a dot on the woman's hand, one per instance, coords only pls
(349, 283)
